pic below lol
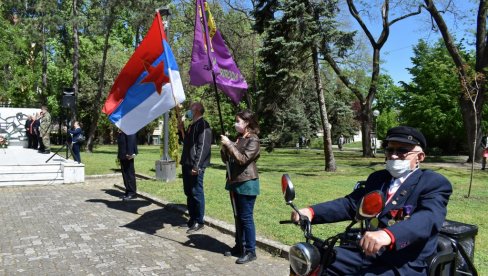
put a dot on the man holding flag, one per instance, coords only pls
(148, 86)
(195, 157)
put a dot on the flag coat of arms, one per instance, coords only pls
(211, 56)
(148, 85)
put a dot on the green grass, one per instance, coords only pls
(312, 184)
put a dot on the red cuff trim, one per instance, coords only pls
(392, 244)
(311, 212)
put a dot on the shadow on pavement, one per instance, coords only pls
(152, 221)
(127, 206)
(207, 243)
(113, 192)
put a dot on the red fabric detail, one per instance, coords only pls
(392, 237)
(312, 213)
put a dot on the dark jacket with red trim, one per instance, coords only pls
(424, 194)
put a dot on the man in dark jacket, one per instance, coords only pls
(127, 151)
(194, 159)
(404, 235)
(27, 125)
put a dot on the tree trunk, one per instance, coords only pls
(97, 106)
(330, 164)
(76, 56)
(366, 130)
(44, 66)
(472, 125)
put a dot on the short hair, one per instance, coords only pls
(199, 106)
(44, 107)
(250, 118)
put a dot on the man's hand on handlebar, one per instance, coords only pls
(295, 217)
(374, 241)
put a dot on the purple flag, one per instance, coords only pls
(227, 76)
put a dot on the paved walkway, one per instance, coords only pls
(84, 229)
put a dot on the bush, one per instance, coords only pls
(317, 143)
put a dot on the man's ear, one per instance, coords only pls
(421, 156)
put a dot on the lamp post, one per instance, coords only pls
(376, 113)
(166, 14)
(165, 167)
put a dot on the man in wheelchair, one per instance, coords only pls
(402, 239)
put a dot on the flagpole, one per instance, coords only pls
(210, 63)
(232, 195)
(166, 12)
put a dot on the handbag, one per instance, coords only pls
(81, 138)
(485, 153)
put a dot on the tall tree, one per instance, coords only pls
(472, 78)
(366, 101)
(76, 53)
(432, 94)
(290, 47)
(109, 19)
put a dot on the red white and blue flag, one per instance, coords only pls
(148, 86)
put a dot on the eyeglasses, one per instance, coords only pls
(400, 152)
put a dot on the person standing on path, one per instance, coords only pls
(75, 133)
(484, 154)
(243, 182)
(195, 158)
(28, 134)
(341, 142)
(127, 151)
(44, 131)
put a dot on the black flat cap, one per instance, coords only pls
(406, 134)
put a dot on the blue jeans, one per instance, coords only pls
(245, 211)
(195, 197)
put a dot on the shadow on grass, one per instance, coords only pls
(114, 152)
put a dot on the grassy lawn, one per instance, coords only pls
(312, 185)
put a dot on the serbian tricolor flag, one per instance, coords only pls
(218, 59)
(148, 85)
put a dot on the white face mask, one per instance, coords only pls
(239, 128)
(398, 167)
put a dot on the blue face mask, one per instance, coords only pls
(189, 114)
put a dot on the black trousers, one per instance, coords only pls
(129, 175)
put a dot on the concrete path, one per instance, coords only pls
(85, 229)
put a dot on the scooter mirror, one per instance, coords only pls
(371, 205)
(287, 188)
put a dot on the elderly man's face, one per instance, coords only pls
(403, 151)
(195, 109)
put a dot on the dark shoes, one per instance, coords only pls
(234, 251)
(195, 228)
(183, 225)
(248, 257)
(128, 197)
